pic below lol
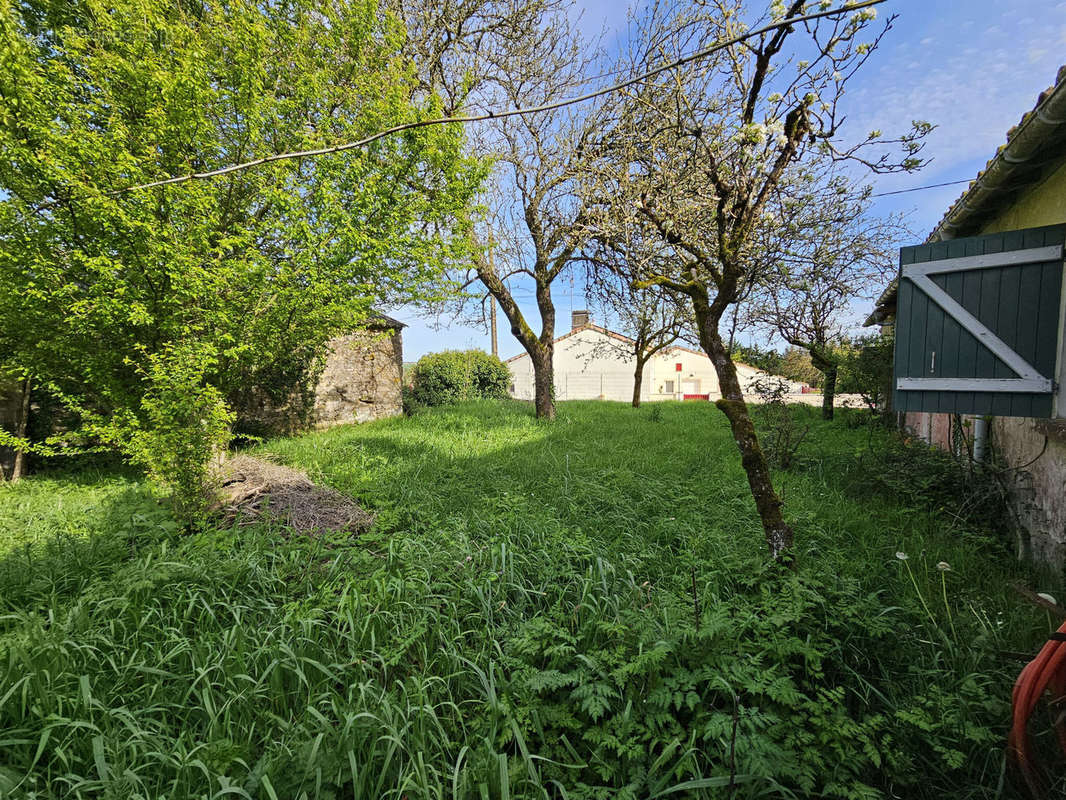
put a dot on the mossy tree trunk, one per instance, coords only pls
(778, 533)
(828, 366)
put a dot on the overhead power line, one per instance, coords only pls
(920, 188)
(512, 112)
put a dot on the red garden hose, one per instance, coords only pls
(1045, 672)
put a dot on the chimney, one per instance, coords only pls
(578, 319)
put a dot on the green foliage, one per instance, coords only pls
(796, 365)
(970, 495)
(767, 359)
(455, 376)
(780, 435)
(579, 610)
(262, 266)
(867, 369)
(186, 428)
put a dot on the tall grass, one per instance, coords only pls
(581, 609)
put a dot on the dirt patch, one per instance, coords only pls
(254, 489)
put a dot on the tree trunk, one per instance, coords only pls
(638, 381)
(544, 385)
(829, 392)
(778, 533)
(828, 368)
(18, 469)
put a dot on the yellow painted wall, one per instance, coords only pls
(1044, 204)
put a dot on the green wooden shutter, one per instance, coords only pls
(978, 324)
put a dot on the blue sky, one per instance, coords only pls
(971, 67)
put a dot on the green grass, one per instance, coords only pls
(580, 609)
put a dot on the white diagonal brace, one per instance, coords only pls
(970, 323)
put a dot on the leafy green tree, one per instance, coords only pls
(867, 370)
(242, 279)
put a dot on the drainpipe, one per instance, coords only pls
(980, 438)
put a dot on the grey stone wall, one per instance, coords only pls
(361, 380)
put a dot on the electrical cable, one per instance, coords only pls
(513, 112)
(920, 188)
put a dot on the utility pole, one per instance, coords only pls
(492, 300)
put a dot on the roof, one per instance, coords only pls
(588, 326)
(379, 321)
(1035, 147)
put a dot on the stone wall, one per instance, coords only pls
(1035, 453)
(361, 380)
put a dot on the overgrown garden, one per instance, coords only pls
(578, 610)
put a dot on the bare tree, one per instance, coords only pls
(481, 55)
(830, 255)
(650, 320)
(537, 215)
(698, 157)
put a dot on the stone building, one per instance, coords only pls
(360, 381)
(362, 377)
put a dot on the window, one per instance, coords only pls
(669, 387)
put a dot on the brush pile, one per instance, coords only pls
(253, 490)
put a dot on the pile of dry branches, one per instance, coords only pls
(254, 490)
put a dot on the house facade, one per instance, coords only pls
(594, 363)
(1022, 188)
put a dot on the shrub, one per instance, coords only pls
(867, 370)
(455, 376)
(185, 426)
(780, 436)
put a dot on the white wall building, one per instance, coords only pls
(593, 363)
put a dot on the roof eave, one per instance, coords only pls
(1015, 166)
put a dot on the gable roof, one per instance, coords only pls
(1035, 147)
(379, 321)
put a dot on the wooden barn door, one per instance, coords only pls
(979, 322)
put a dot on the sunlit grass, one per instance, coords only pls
(580, 609)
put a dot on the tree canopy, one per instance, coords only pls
(240, 280)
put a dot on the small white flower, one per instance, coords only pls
(1047, 597)
(943, 566)
(901, 555)
(837, 76)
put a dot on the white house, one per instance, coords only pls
(593, 363)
